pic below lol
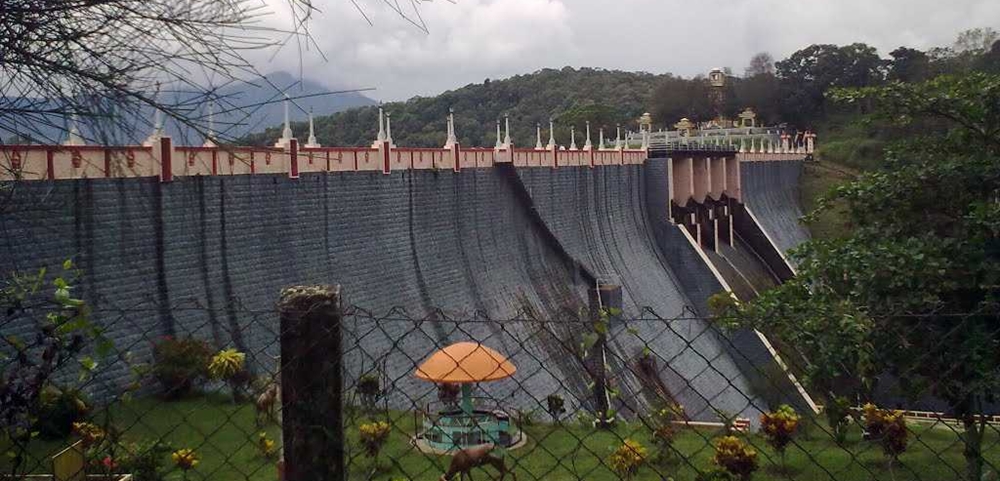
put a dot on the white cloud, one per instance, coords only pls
(470, 40)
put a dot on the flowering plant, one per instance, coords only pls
(627, 459)
(373, 436)
(186, 459)
(779, 427)
(733, 455)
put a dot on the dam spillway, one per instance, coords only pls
(206, 255)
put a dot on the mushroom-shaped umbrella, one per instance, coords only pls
(465, 363)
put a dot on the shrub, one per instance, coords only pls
(626, 460)
(145, 461)
(779, 427)
(185, 459)
(837, 412)
(58, 410)
(91, 434)
(180, 364)
(887, 427)
(874, 420)
(229, 365)
(225, 364)
(894, 434)
(663, 429)
(369, 388)
(555, 405)
(374, 436)
(733, 455)
(266, 447)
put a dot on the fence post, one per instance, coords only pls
(605, 301)
(312, 383)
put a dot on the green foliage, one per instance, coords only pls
(735, 456)
(179, 364)
(779, 426)
(838, 416)
(60, 408)
(554, 404)
(912, 290)
(61, 329)
(568, 94)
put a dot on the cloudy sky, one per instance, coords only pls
(471, 40)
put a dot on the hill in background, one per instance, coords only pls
(571, 96)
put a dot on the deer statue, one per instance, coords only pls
(466, 459)
(266, 404)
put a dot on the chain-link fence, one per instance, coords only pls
(314, 390)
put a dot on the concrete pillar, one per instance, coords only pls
(312, 383)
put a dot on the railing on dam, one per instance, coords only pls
(314, 390)
(163, 159)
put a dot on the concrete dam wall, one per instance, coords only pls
(771, 192)
(208, 255)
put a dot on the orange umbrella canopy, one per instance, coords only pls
(465, 362)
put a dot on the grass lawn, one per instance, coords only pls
(224, 436)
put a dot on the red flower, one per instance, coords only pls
(109, 463)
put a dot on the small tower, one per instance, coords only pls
(601, 146)
(157, 132)
(538, 137)
(506, 130)
(452, 139)
(588, 145)
(388, 130)
(381, 130)
(74, 137)
(311, 143)
(499, 144)
(618, 137)
(286, 132)
(210, 135)
(572, 137)
(552, 134)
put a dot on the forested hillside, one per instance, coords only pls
(572, 96)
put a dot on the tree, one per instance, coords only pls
(912, 290)
(760, 64)
(676, 98)
(808, 73)
(976, 40)
(908, 65)
(105, 65)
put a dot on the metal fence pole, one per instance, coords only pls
(312, 383)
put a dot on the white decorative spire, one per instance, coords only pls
(210, 135)
(743, 145)
(552, 135)
(506, 129)
(381, 129)
(601, 145)
(311, 143)
(74, 137)
(286, 133)
(452, 139)
(538, 137)
(572, 137)
(157, 132)
(645, 138)
(388, 130)
(588, 145)
(618, 137)
(499, 144)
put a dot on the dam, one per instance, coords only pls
(202, 239)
